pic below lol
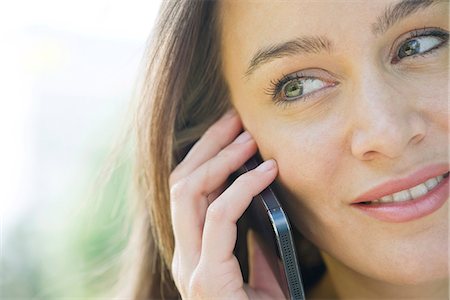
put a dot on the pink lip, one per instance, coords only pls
(407, 210)
(393, 186)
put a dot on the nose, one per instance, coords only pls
(386, 119)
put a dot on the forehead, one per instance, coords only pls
(250, 25)
(245, 16)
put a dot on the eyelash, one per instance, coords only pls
(276, 85)
(424, 32)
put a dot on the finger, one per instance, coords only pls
(218, 136)
(212, 196)
(215, 172)
(262, 279)
(190, 197)
(219, 234)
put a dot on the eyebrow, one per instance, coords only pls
(315, 44)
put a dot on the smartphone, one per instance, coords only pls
(268, 220)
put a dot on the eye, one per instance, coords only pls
(418, 45)
(297, 88)
(300, 86)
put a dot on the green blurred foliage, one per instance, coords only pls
(76, 253)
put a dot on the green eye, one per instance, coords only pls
(299, 87)
(293, 89)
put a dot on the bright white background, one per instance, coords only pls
(68, 70)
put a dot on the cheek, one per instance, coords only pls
(307, 157)
(435, 100)
(310, 159)
(429, 88)
(313, 168)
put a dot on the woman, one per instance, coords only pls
(347, 103)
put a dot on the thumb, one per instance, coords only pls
(261, 278)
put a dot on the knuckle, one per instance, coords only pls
(226, 158)
(226, 152)
(215, 212)
(245, 184)
(213, 131)
(208, 170)
(177, 274)
(198, 284)
(179, 189)
(245, 180)
(174, 176)
(174, 270)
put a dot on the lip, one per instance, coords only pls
(397, 185)
(405, 211)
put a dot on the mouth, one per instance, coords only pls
(408, 198)
(415, 192)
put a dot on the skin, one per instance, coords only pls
(380, 121)
(204, 216)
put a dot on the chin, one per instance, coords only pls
(424, 259)
(415, 267)
(400, 262)
(421, 276)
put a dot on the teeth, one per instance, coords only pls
(418, 191)
(387, 198)
(431, 183)
(412, 193)
(402, 196)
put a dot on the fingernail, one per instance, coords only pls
(242, 138)
(266, 166)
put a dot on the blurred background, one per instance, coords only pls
(68, 72)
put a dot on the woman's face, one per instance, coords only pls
(358, 98)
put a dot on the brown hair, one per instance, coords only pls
(183, 93)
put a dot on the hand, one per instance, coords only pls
(204, 215)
